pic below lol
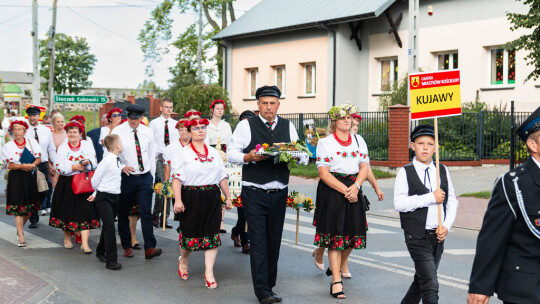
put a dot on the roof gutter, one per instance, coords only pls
(321, 25)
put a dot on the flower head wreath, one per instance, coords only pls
(217, 101)
(112, 111)
(75, 123)
(79, 118)
(191, 113)
(337, 112)
(194, 122)
(18, 122)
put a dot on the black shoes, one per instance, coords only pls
(32, 225)
(276, 297)
(101, 258)
(136, 246)
(268, 300)
(113, 266)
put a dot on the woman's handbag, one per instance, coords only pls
(82, 182)
(41, 180)
(365, 201)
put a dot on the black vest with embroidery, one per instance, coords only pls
(414, 222)
(266, 171)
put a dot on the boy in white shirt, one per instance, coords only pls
(106, 181)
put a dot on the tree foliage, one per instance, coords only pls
(397, 94)
(198, 97)
(157, 31)
(73, 63)
(530, 42)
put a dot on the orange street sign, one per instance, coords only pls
(435, 94)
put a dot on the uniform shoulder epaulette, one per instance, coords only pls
(517, 171)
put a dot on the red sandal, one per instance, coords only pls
(183, 276)
(210, 285)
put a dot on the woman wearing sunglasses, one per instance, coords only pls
(198, 174)
(114, 117)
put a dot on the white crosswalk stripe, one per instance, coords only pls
(9, 233)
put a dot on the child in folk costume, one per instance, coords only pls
(415, 198)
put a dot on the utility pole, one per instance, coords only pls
(35, 87)
(52, 34)
(414, 7)
(199, 44)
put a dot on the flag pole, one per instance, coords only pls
(436, 127)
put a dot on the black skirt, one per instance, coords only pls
(339, 224)
(72, 212)
(200, 222)
(22, 193)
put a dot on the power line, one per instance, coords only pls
(15, 17)
(99, 25)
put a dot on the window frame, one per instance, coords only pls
(450, 60)
(250, 70)
(313, 79)
(393, 62)
(283, 78)
(505, 80)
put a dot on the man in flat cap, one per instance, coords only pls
(43, 136)
(264, 187)
(507, 257)
(416, 198)
(137, 179)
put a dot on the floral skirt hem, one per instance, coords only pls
(21, 210)
(339, 242)
(202, 243)
(73, 226)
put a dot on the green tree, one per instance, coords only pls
(73, 64)
(157, 30)
(197, 97)
(530, 42)
(397, 94)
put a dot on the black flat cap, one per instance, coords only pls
(33, 111)
(134, 111)
(268, 91)
(530, 125)
(246, 114)
(422, 130)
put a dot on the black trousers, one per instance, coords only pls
(240, 228)
(265, 214)
(136, 188)
(107, 208)
(45, 198)
(426, 253)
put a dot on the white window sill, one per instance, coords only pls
(381, 93)
(498, 87)
(249, 98)
(307, 96)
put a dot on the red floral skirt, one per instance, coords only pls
(339, 224)
(72, 212)
(200, 222)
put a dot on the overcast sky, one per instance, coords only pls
(111, 28)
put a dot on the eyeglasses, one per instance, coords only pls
(116, 115)
(203, 127)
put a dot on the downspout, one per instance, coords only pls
(334, 63)
(224, 63)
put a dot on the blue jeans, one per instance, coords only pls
(426, 254)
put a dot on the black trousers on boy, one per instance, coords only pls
(107, 207)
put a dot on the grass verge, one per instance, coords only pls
(481, 194)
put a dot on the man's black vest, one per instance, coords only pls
(266, 171)
(414, 222)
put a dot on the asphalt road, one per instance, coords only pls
(45, 272)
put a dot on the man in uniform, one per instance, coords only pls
(264, 188)
(165, 133)
(137, 179)
(507, 257)
(43, 136)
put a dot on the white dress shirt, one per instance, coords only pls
(158, 127)
(108, 175)
(222, 133)
(536, 161)
(241, 139)
(129, 152)
(104, 132)
(187, 167)
(12, 154)
(66, 157)
(48, 149)
(170, 152)
(339, 158)
(405, 203)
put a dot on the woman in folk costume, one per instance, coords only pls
(21, 156)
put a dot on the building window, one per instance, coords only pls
(503, 66)
(447, 61)
(253, 75)
(280, 78)
(389, 73)
(309, 79)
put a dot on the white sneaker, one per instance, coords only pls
(43, 212)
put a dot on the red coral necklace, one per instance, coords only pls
(343, 142)
(21, 146)
(202, 157)
(75, 149)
